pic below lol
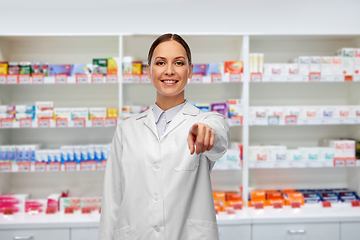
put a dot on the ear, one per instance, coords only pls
(148, 71)
(190, 71)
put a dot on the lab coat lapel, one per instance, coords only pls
(150, 122)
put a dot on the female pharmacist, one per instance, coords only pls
(157, 180)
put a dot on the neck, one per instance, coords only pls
(165, 102)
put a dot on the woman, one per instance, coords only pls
(157, 180)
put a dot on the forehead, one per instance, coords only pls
(169, 49)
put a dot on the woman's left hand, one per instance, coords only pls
(201, 136)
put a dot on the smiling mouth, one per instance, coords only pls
(169, 81)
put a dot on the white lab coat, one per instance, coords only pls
(154, 188)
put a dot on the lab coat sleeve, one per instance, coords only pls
(220, 126)
(112, 195)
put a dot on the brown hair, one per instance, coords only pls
(169, 37)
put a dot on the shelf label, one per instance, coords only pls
(236, 121)
(97, 122)
(295, 204)
(101, 165)
(86, 210)
(216, 78)
(24, 166)
(355, 203)
(69, 210)
(79, 122)
(278, 204)
(24, 79)
(5, 167)
(25, 123)
(291, 120)
(315, 77)
(97, 78)
(34, 210)
(70, 166)
(196, 78)
(61, 122)
(235, 78)
(50, 210)
(3, 79)
(40, 167)
(6, 123)
(111, 122)
(38, 78)
(111, 78)
(13, 79)
(273, 120)
(256, 77)
(348, 78)
(326, 204)
(350, 162)
(8, 211)
(60, 78)
(43, 123)
(86, 166)
(127, 78)
(339, 162)
(136, 78)
(81, 78)
(145, 78)
(54, 166)
(259, 205)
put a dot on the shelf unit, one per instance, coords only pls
(209, 48)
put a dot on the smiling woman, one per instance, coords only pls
(157, 183)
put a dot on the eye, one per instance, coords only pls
(161, 63)
(179, 63)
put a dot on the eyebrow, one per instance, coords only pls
(165, 58)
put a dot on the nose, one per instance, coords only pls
(169, 70)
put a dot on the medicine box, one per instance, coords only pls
(315, 64)
(258, 113)
(347, 55)
(60, 69)
(235, 108)
(100, 65)
(220, 108)
(326, 65)
(336, 66)
(214, 68)
(341, 111)
(97, 113)
(277, 153)
(233, 67)
(275, 111)
(258, 153)
(200, 69)
(294, 155)
(80, 113)
(62, 113)
(304, 65)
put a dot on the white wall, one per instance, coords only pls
(155, 16)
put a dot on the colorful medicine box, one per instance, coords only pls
(60, 69)
(100, 66)
(199, 69)
(233, 67)
(220, 108)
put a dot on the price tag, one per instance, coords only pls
(86, 210)
(81, 78)
(308, 164)
(61, 122)
(236, 121)
(111, 78)
(273, 120)
(145, 78)
(54, 166)
(216, 78)
(338, 162)
(97, 78)
(24, 79)
(295, 204)
(34, 210)
(291, 120)
(111, 122)
(24, 166)
(40, 167)
(43, 123)
(314, 77)
(235, 78)
(50, 210)
(100, 210)
(326, 204)
(79, 122)
(25, 123)
(127, 78)
(256, 77)
(348, 78)
(97, 122)
(6, 123)
(277, 204)
(5, 167)
(38, 78)
(13, 79)
(8, 211)
(136, 78)
(259, 205)
(3, 79)
(196, 78)
(86, 166)
(70, 166)
(350, 162)
(355, 203)
(69, 210)
(101, 165)
(61, 78)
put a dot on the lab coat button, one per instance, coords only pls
(157, 228)
(156, 166)
(156, 198)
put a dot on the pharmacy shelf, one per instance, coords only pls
(303, 121)
(304, 78)
(84, 79)
(50, 123)
(299, 164)
(54, 167)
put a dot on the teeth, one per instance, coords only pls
(169, 81)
